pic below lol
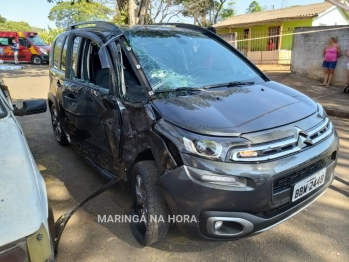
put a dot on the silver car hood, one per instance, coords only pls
(21, 210)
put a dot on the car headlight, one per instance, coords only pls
(200, 145)
(15, 251)
(207, 148)
(39, 245)
(36, 247)
(206, 177)
(321, 111)
(43, 51)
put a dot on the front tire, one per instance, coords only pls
(57, 127)
(148, 204)
(36, 60)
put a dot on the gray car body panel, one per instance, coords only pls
(235, 110)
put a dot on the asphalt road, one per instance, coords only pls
(319, 233)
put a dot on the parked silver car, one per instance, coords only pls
(26, 220)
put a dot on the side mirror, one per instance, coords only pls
(31, 107)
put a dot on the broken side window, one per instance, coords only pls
(118, 68)
(57, 50)
(129, 85)
(91, 70)
(74, 70)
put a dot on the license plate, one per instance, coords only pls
(309, 184)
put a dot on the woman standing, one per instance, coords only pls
(331, 52)
(270, 46)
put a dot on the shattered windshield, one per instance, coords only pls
(186, 59)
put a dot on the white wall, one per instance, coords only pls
(307, 56)
(333, 16)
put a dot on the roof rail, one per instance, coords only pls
(95, 24)
(187, 26)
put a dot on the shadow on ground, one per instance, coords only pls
(29, 70)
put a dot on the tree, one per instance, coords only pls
(228, 12)
(50, 35)
(137, 11)
(65, 13)
(200, 9)
(204, 12)
(15, 26)
(197, 9)
(2, 19)
(217, 8)
(163, 10)
(253, 8)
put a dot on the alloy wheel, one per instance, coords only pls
(56, 124)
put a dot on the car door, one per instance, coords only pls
(24, 53)
(6, 50)
(57, 75)
(89, 103)
(71, 95)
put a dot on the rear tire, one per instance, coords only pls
(36, 60)
(57, 127)
(148, 203)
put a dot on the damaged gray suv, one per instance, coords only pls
(191, 126)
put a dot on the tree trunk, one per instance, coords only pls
(131, 12)
(142, 11)
(215, 17)
(121, 4)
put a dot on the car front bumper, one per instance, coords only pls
(44, 58)
(248, 210)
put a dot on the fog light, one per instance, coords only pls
(219, 178)
(217, 225)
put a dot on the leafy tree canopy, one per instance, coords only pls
(65, 13)
(204, 12)
(254, 7)
(50, 35)
(2, 19)
(228, 12)
(15, 26)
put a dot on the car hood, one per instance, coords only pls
(20, 200)
(45, 47)
(236, 110)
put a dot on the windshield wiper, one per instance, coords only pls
(230, 84)
(178, 89)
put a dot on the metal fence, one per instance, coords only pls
(271, 47)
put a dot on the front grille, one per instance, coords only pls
(289, 180)
(300, 140)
